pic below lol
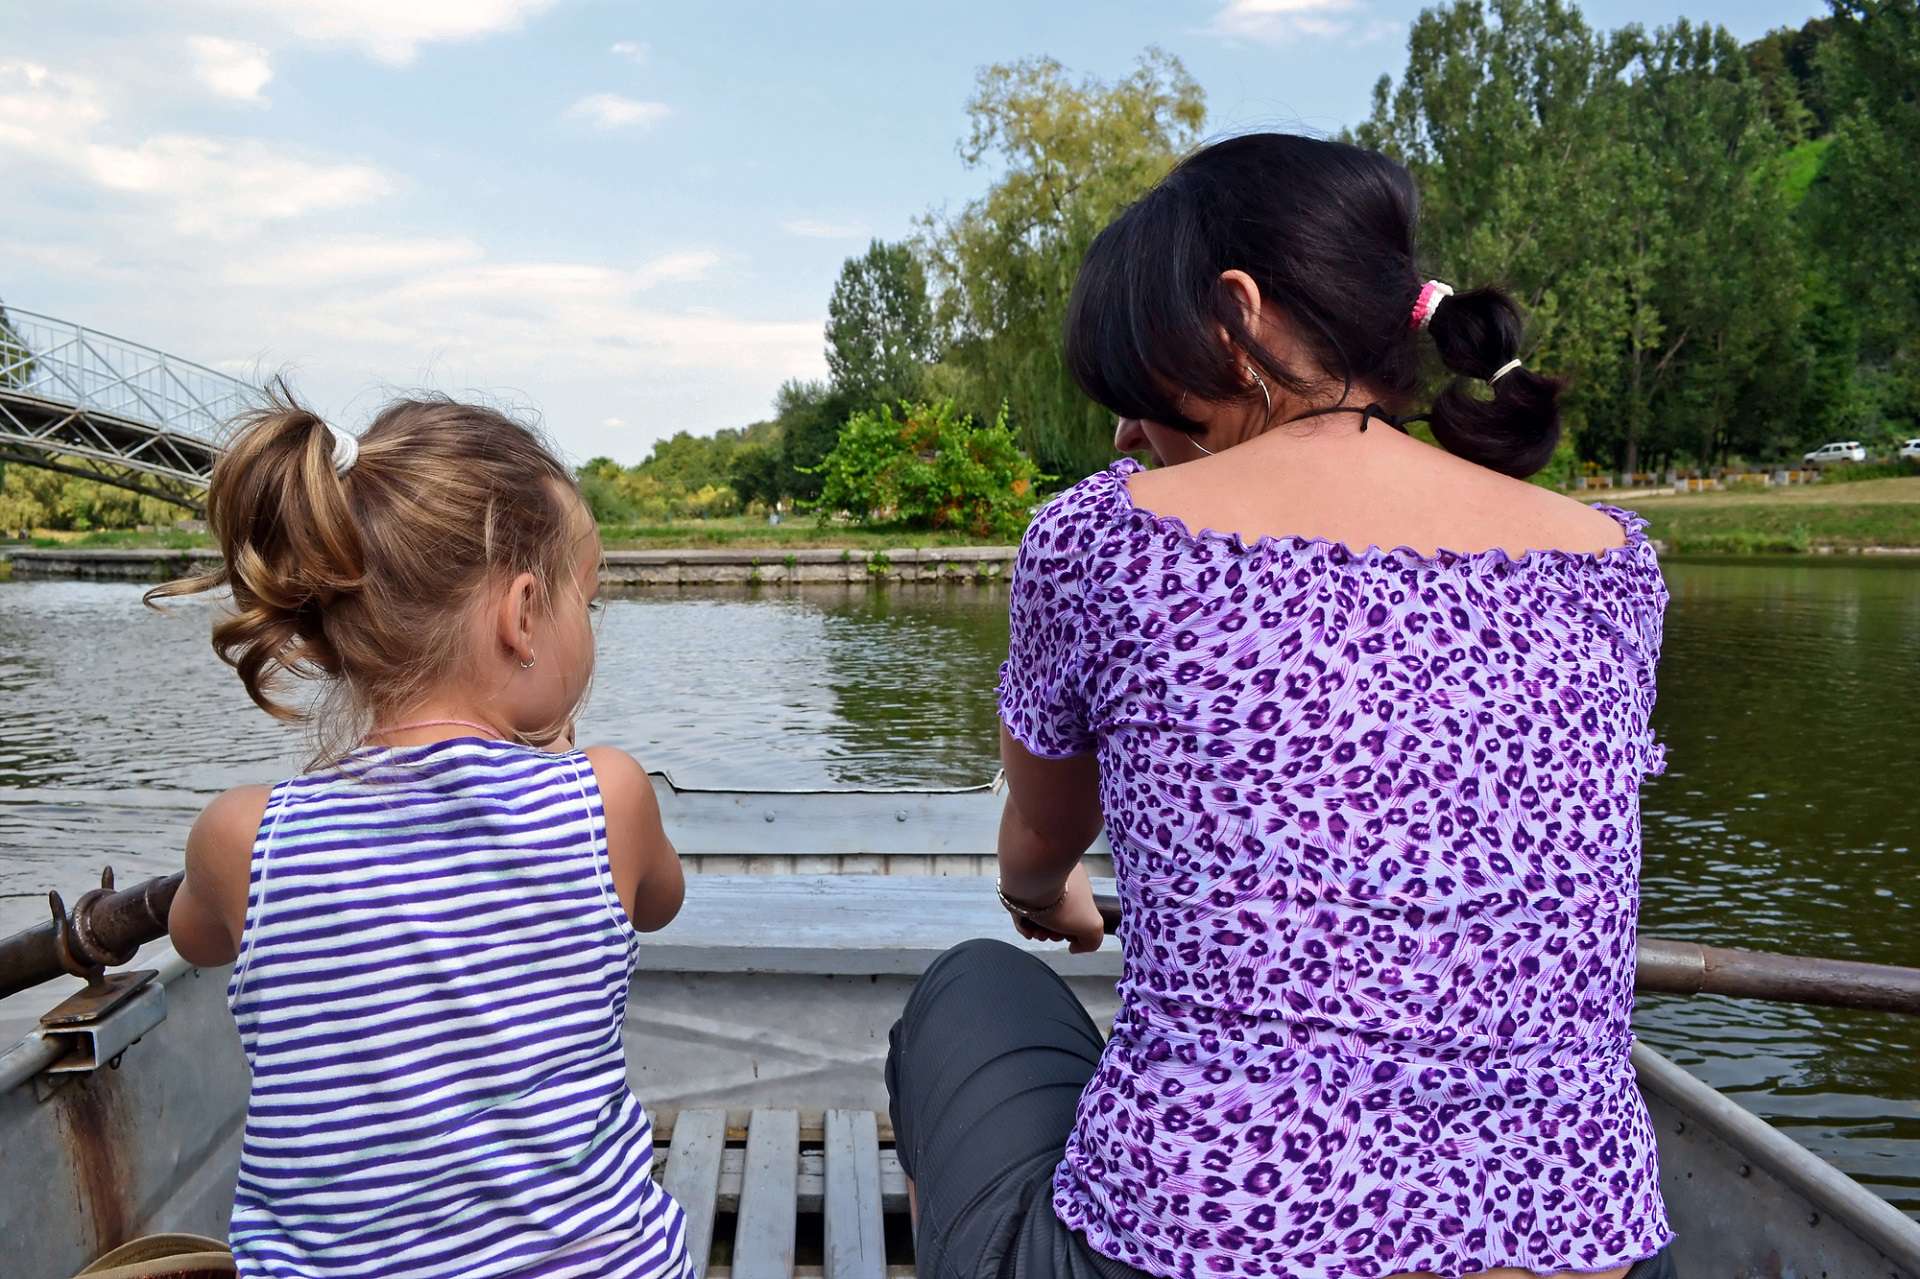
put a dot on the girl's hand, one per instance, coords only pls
(1075, 920)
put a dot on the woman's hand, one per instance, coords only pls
(1075, 920)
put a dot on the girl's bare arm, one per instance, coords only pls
(646, 868)
(210, 910)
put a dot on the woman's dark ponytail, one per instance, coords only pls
(1514, 432)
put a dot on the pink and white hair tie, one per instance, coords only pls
(1432, 293)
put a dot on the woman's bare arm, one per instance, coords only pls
(1051, 817)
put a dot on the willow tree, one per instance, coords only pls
(1069, 155)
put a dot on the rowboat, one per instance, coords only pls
(756, 1032)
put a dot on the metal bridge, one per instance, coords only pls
(85, 403)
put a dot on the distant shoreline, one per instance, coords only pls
(752, 566)
(717, 566)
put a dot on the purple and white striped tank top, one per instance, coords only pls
(430, 990)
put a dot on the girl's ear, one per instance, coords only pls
(515, 616)
(1247, 294)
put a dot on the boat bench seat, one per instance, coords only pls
(771, 1197)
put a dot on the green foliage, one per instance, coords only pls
(1607, 178)
(931, 467)
(809, 414)
(1858, 472)
(1802, 165)
(34, 498)
(685, 477)
(880, 326)
(16, 361)
(754, 474)
(1070, 156)
(1866, 209)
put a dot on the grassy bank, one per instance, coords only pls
(1880, 512)
(1842, 516)
(119, 540)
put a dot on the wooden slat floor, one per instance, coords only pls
(770, 1197)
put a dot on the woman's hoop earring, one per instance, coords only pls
(1262, 384)
(527, 665)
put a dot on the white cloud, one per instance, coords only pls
(389, 32)
(207, 184)
(338, 259)
(816, 229)
(613, 423)
(230, 68)
(632, 50)
(214, 184)
(611, 111)
(1274, 21)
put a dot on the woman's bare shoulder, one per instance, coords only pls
(1554, 521)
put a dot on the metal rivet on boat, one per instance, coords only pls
(1746, 1170)
(1813, 1219)
(900, 816)
(769, 814)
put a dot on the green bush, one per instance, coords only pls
(932, 467)
(1854, 472)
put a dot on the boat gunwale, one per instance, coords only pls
(1818, 1180)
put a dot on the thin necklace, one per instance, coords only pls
(1367, 414)
(486, 729)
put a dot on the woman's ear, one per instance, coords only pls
(515, 617)
(1247, 294)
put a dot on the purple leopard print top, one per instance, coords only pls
(1376, 824)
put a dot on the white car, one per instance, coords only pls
(1910, 451)
(1840, 451)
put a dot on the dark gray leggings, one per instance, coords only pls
(984, 1072)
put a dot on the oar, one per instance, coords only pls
(105, 927)
(103, 930)
(1666, 967)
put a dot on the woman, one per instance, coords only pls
(1374, 812)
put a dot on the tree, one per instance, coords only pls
(880, 325)
(755, 474)
(1513, 130)
(1867, 207)
(810, 415)
(1628, 188)
(1072, 156)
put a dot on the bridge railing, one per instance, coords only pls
(63, 362)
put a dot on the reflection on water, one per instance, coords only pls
(1787, 820)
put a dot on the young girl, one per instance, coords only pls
(432, 930)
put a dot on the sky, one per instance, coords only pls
(623, 218)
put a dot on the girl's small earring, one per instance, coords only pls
(527, 665)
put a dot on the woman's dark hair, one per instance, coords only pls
(1327, 232)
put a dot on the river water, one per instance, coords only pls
(1789, 818)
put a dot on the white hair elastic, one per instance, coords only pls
(1503, 370)
(346, 450)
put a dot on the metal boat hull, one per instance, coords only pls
(722, 1019)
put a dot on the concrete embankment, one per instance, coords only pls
(770, 567)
